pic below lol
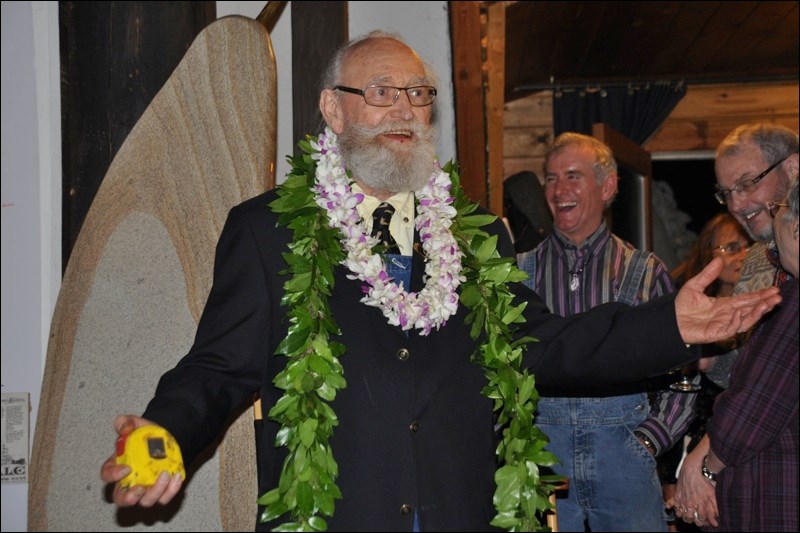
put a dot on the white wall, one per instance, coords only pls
(31, 213)
(31, 168)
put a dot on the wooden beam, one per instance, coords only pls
(318, 29)
(465, 27)
(495, 98)
(115, 57)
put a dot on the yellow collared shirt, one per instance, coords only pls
(402, 225)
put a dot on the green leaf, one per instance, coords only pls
(318, 524)
(487, 249)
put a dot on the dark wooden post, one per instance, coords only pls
(318, 28)
(115, 56)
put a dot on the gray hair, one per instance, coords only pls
(331, 76)
(604, 162)
(775, 141)
(791, 214)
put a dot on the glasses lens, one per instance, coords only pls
(380, 96)
(421, 96)
(722, 195)
(747, 186)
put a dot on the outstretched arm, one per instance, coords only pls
(703, 319)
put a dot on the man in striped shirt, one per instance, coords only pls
(607, 442)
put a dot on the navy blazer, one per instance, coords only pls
(415, 433)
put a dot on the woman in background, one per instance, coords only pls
(722, 236)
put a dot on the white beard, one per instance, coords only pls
(382, 168)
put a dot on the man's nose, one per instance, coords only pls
(402, 106)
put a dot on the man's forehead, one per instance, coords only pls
(737, 167)
(573, 155)
(386, 61)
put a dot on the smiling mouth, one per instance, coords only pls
(749, 217)
(403, 134)
(565, 206)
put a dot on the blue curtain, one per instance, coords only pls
(635, 111)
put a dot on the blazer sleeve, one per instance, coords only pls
(227, 363)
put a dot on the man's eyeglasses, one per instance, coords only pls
(773, 207)
(745, 186)
(733, 248)
(386, 96)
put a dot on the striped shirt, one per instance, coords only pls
(574, 279)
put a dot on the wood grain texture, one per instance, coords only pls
(138, 279)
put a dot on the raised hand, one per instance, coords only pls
(703, 319)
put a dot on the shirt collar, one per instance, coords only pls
(592, 243)
(402, 224)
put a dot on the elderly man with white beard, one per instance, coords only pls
(388, 349)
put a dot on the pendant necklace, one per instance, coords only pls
(574, 280)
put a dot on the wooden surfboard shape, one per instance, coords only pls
(138, 279)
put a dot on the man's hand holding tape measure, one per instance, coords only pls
(146, 467)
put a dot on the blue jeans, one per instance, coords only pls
(613, 483)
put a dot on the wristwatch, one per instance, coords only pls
(644, 439)
(712, 476)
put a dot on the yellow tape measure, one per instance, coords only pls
(148, 450)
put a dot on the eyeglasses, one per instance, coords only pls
(386, 96)
(773, 207)
(733, 248)
(745, 186)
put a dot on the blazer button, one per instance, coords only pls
(406, 509)
(414, 426)
(403, 354)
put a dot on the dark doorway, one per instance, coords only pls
(692, 182)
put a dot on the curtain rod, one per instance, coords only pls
(589, 84)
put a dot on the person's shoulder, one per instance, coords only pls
(256, 205)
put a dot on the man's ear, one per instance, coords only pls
(609, 187)
(331, 111)
(792, 164)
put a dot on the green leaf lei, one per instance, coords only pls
(313, 375)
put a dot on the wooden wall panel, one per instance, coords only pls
(512, 165)
(527, 132)
(709, 112)
(533, 110)
(527, 142)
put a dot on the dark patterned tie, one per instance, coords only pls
(380, 227)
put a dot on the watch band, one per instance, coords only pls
(712, 476)
(644, 439)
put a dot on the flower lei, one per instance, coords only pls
(431, 307)
(317, 203)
